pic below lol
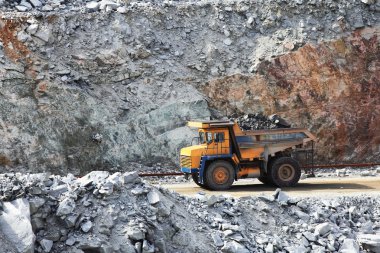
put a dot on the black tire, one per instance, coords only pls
(284, 172)
(219, 175)
(195, 177)
(265, 180)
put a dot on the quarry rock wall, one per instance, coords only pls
(84, 88)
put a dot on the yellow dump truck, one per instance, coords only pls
(224, 153)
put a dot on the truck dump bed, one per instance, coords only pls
(279, 136)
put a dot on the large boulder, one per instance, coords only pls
(370, 242)
(16, 227)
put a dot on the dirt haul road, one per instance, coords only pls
(311, 187)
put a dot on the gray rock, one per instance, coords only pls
(302, 204)
(366, 173)
(135, 233)
(47, 8)
(130, 177)
(153, 197)
(341, 173)
(323, 229)
(35, 3)
(147, 247)
(37, 224)
(227, 226)
(94, 177)
(26, 4)
(106, 3)
(303, 176)
(127, 247)
(282, 197)
(138, 247)
(261, 239)
(310, 237)
(302, 215)
(122, 9)
(21, 8)
(234, 247)
(266, 198)
(86, 226)
(93, 6)
(23, 36)
(116, 179)
(71, 220)
(35, 204)
(46, 245)
(305, 242)
(269, 248)
(296, 249)
(349, 246)
(70, 241)
(227, 41)
(43, 34)
(32, 29)
(367, 228)
(106, 189)
(212, 200)
(53, 235)
(318, 249)
(218, 242)
(201, 196)
(57, 191)
(15, 225)
(370, 242)
(139, 191)
(66, 206)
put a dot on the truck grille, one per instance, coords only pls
(185, 161)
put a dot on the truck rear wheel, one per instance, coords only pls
(219, 175)
(284, 172)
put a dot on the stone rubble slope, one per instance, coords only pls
(99, 84)
(103, 212)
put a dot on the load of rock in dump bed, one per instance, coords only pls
(120, 213)
(259, 121)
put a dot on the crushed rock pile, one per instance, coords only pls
(104, 212)
(259, 121)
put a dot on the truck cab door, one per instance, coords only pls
(221, 144)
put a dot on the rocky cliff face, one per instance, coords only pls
(333, 88)
(83, 88)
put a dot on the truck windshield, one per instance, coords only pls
(202, 138)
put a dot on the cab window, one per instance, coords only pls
(209, 137)
(219, 137)
(202, 138)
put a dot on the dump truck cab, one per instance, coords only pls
(212, 142)
(224, 153)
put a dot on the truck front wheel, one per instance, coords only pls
(284, 172)
(219, 175)
(195, 176)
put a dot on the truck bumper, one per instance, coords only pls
(189, 170)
